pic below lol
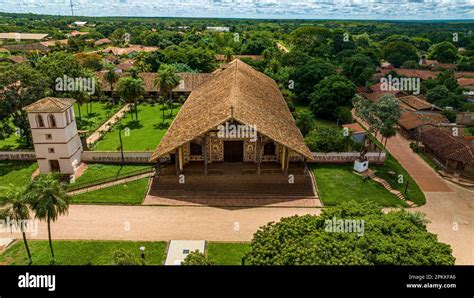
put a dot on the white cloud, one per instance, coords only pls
(354, 9)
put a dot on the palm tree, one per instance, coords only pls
(111, 77)
(228, 55)
(131, 90)
(166, 79)
(48, 200)
(14, 206)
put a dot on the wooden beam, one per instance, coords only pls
(259, 154)
(287, 161)
(176, 162)
(181, 159)
(282, 159)
(205, 154)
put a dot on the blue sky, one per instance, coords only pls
(312, 9)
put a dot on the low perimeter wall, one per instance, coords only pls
(17, 155)
(116, 157)
(144, 156)
(346, 157)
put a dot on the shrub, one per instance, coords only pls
(414, 146)
(124, 258)
(344, 114)
(451, 115)
(196, 258)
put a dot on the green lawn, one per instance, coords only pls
(93, 252)
(16, 172)
(142, 135)
(91, 120)
(80, 252)
(131, 193)
(414, 193)
(101, 171)
(227, 253)
(13, 142)
(338, 183)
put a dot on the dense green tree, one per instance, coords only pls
(304, 121)
(329, 94)
(257, 42)
(328, 139)
(444, 52)
(398, 52)
(307, 76)
(310, 39)
(421, 43)
(359, 69)
(196, 258)
(396, 238)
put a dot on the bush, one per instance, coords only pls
(328, 139)
(344, 114)
(304, 121)
(396, 238)
(124, 257)
(414, 146)
(450, 115)
(196, 258)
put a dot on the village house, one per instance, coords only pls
(454, 153)
(410, 122)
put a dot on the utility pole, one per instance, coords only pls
(72, 8)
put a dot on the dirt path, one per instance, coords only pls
(153, 223)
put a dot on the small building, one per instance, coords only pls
(410, 121)
(456, 154)
(218, 29)
(418, 104)
(357, 131)
(56, 140)
(36, 46)
(468, 85)
(77, 33)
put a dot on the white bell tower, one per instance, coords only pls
(56, 140)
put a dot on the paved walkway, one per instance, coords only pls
(109, 124)
(153, 223)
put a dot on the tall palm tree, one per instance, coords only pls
(48, 200)
(111, 77)
(13, 205)
(228, 55)
(166, 79)
(131, 90)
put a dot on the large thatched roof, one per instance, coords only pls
(240, 93)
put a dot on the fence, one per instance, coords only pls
(346, 157)
(17, 155)
(116, 157)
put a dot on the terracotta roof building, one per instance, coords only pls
(50, 104)
(237, 97)
(418, 104)
(410, 121)
(455, 153)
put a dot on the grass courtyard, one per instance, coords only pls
(86, 252)
(131, 193)
(141, 135)
(99, 171)
(338, 183)
(16, 172)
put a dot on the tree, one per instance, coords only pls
(228, 54)
(329, 94)
(444, 52)
(397, 52)
(130, 90)
(48, 200)
(111, 77)
(257, 42)
(421, 43)
(304, 121)
(396, 238)
(359, 68)
(167, 79)
(366, 110)
(311, 40)
(307, 76)
(328, 139)
(196, 258)
(389, 112)
(14, 206)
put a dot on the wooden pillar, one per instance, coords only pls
(282, 159)
(205, 154)
(287, 161)
(181, 159)
(176, 161)
(259, 154)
